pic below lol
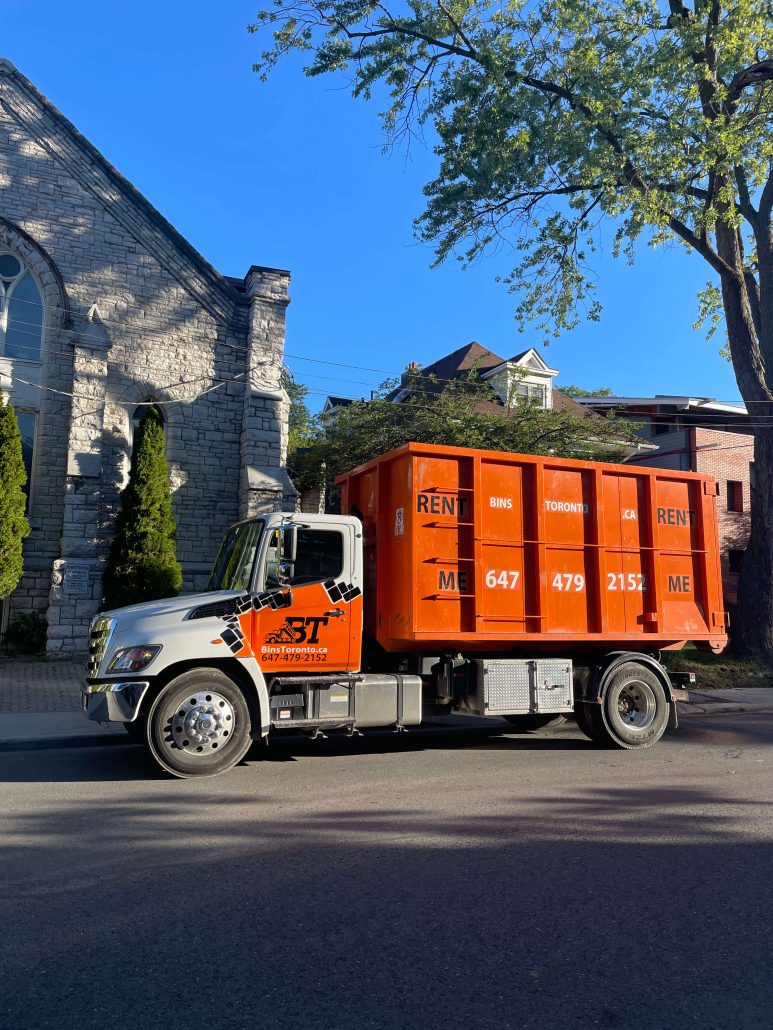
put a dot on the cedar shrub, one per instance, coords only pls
(142, 564)
(13, 502)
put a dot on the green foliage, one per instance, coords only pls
(13, 502)
(461, 415)
(301, 423)
(577, 391)
(142, 565)
(551, 115)
(26, 634)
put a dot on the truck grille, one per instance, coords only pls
(101, 628)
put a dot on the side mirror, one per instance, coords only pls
(287, 552)
(289, 548)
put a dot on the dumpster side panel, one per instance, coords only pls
(485, 551)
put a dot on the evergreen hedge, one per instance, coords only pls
(13, 502)
(142, 564)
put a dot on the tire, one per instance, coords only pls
(525, 723)
(583, 717)
(634, 711)
(199, 725)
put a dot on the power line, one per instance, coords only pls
(167, 331)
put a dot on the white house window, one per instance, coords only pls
(21, 311)
(531, 394)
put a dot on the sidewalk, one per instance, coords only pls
(40, 706)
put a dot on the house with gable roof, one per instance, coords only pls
(105, 308)
(525, 376)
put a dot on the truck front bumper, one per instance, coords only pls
(113, 702)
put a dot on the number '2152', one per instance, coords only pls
(619, 581)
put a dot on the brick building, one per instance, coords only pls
(103, 308)
(699, 434)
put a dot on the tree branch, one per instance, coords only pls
(457, 27)
(745, 205)
(766, 200)
(754, 75)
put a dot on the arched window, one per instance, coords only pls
(21, 311)
(139, 413)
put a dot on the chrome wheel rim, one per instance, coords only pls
(636, 705)
(202, 723)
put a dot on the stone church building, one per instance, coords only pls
(104, 307)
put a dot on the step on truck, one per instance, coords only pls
(457, 581)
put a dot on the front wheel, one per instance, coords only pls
(199, 725)
(634, 710)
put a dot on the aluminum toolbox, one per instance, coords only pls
(520, 686)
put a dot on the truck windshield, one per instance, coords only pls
(235, 559)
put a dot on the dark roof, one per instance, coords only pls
(562, 402)
(473, 355)
(339, 402)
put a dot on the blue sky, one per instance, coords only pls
(292, 174)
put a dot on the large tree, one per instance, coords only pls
(142, 564)
(552, 115)
(13, 501)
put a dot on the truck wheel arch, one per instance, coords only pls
(255, 692)
(590, 681)
(603, 674)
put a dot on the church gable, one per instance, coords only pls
(53, 161)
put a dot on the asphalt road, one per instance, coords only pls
(443, 879)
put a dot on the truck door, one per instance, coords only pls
(320, 616)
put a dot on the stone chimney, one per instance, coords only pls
(411, 370)
(264, 483)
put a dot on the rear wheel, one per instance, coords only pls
(199, 725)
(525, 723)
(634, 710)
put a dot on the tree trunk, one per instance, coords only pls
(752, 632)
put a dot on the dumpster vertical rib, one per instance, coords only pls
(710, 567)
(539, 546)
(654, 587)
(600, 553)
(382, 540)
(478, 574)
(699, 557)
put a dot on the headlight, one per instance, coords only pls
(133, 659)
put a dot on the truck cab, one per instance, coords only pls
(284, 599)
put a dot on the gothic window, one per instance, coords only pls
(21, 311)
(139, 413)
(27, 425)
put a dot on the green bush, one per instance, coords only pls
(142, 564)
(13, 522)
(26, 634)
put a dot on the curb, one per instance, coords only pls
(726, 710)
